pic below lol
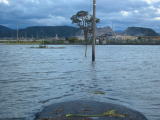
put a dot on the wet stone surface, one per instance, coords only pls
(88, 110)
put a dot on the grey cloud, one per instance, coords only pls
(58, 12)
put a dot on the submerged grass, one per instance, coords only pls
(110, 113)
(99, 92)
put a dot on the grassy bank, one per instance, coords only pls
(21, 42)
(73, 41)
(44, 42)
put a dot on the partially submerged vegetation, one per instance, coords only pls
(110, 113)
(99, 92)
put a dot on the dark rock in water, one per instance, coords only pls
(139, 31)
(88, 110)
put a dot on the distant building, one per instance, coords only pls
(58, 38)
(80, 37)
(105, 37)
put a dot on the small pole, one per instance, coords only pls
(17, 33)
(94, 31)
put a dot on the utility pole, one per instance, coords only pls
(94, 31)
(17, 33)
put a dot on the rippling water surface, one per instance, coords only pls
(31, 79)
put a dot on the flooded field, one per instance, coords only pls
(31, 79)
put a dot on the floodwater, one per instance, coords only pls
(31, 79)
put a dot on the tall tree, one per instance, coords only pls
(85, 22)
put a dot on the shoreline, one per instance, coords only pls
(64, 42)
(76, 44)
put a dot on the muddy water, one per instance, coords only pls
(31, 78)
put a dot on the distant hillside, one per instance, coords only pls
(104, 30)
(68, 31)
(6, 32)
(49, 31)
(39, 31)
(139, 31)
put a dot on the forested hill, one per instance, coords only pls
(66, 31)
(39, 31)
(140, 31)
(6, 32)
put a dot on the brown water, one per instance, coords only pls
(31, 78)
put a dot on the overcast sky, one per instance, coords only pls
(122, 13)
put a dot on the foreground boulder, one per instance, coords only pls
(88, 110)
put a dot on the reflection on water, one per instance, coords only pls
(33, 78)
